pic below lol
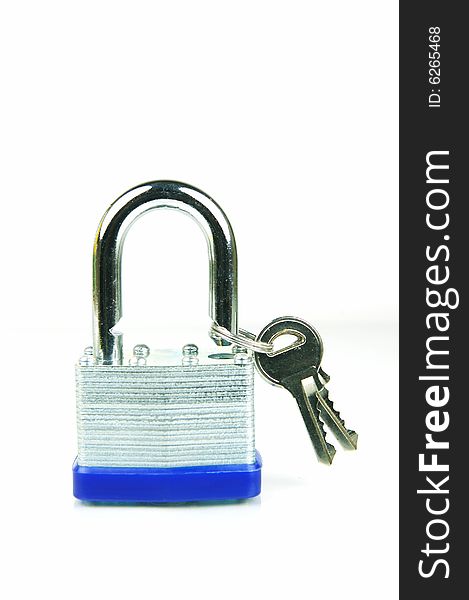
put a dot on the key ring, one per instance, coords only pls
(244, 338)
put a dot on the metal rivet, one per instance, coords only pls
(141, 351)
(190, 350)
(239, 350)
(190, 361)
(242, 358)
(86, 360)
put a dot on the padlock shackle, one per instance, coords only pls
(107, 253)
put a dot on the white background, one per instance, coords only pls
(286, 114)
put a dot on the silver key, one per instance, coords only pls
(297, 368)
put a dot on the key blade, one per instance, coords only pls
(308, 404)
(347, 438)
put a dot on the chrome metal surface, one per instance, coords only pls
(297, 368)
(165, 414)
(107, 293)
(243, 338)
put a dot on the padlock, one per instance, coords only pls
(156, 427)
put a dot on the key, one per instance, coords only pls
(297, 368)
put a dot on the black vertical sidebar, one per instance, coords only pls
(434, 322)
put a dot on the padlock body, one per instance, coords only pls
(166, 431)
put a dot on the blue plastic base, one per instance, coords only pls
(179, 484)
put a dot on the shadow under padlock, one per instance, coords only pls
(159, 426)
